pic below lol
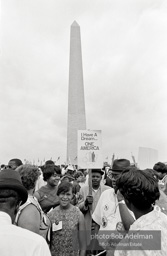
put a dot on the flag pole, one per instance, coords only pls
(133, 158)
(88, 216)
(112, 161)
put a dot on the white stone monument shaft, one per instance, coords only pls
(76, 100)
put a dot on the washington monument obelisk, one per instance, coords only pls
(76, 101)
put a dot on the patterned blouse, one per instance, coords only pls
(65, 242)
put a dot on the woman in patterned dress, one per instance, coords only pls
(68, 227)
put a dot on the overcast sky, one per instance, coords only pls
(124, 53)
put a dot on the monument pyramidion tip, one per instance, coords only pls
(75, 24)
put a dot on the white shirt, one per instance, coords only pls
(40, 182)
(106, 213)
(153, 220)
(107, 216)
(84, 191)
(19, 241)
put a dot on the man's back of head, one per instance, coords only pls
(12, 192)
(14, 163)
(13, 239)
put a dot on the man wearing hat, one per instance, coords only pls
(13, 239)
(111, 212)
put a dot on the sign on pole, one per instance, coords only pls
(90, 149)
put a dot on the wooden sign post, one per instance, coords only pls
(90, 186)
(89, 157)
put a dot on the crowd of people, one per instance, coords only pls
(65, 211)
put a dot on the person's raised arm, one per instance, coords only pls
(126, 216)
(84, 205)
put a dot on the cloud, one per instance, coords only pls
(124, 65)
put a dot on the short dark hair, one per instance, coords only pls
(49, 170)
(49, 162)
(17, 161)
(9, 196)
(29, 175)
(64, 187)
(160, 167)
(152, 172)
(78, 174)
(139, 187)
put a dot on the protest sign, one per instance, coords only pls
(90, 149)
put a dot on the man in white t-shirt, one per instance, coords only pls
(111, 212)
